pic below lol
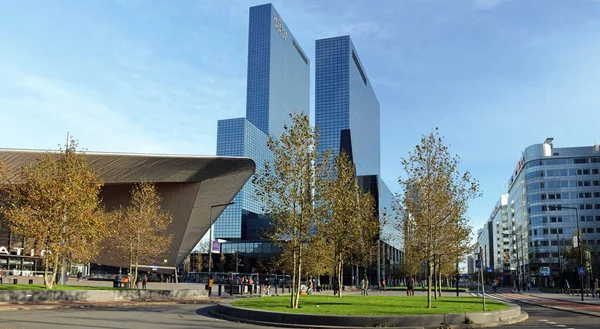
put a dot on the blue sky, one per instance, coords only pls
(155, 76)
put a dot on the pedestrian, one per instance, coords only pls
(79, 276)
(267, 287)
(144, 281)
(410, 287)
(211, 280)
(567, 286)
(494, 285)
(594, 287)
(383, 284)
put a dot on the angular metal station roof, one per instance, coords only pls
(188, 184)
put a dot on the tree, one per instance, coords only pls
(55, 205)
(319, 258)
(367, 232)
(199, 261)
(289, 187)
(436, 196)
(340, 221)
(142, 230)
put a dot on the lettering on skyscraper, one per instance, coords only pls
(279, 26)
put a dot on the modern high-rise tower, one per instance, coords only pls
(278, 84)
(347, 118)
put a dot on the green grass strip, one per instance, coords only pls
(370, 305)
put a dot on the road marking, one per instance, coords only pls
(551, 322)
(560, 325)
(544, 320)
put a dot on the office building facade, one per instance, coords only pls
(278, 83)
(551, 192)
(347, 119)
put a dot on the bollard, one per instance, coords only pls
(276, 289)
(30, 281)
(15, 281)
(290, 289)
(219, 290)
(231, 289)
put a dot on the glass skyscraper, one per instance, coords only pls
(278, 84)
(347, 118)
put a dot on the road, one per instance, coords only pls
(144, 317)
(544, 317)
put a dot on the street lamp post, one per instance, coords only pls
(578, 240)
(210, 235)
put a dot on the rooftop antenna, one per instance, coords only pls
(68, 140)
(596, 147)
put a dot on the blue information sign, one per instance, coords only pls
(477, 263)
(581, 270)
(216, 246)
(489, 269)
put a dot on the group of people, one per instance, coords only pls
(122, 281)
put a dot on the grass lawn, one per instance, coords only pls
(418, 288)
(369, 305)
(54, 287)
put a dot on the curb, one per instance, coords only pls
(46, 306)
(522, 317)
(417, 321)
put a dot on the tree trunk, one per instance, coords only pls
(293, 283)
(47, 281)
(137, 275)
(435, 277)
(340, 274)
(439, 280)
(54, 271)
(299, 276)
(366, 282)
(429, 283)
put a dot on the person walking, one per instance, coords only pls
(144, 281)
(410, 287)
(383, 283)
(211, 280)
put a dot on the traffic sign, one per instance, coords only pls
(581, 271)
(489, 269)
(478, 263)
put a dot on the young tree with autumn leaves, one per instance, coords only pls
(289, 187)
(142, 235)
(435, 198)
(349, 216)
(55, 206)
